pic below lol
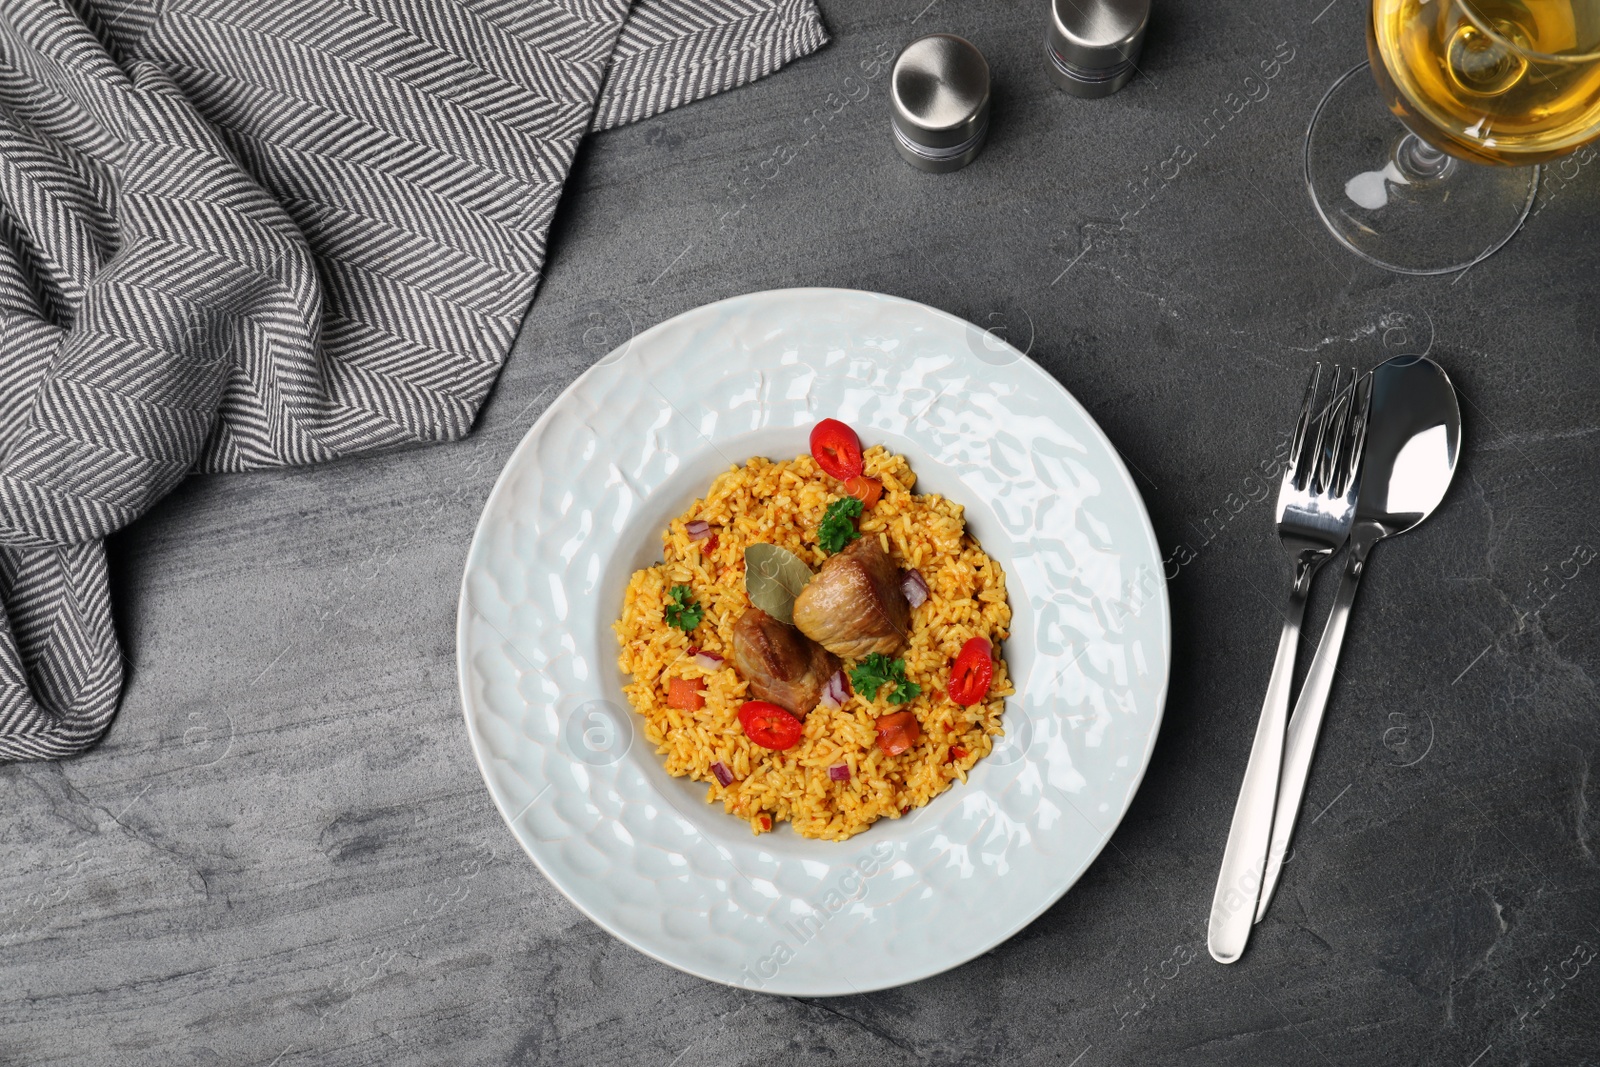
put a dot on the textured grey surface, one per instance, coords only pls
(283, 852)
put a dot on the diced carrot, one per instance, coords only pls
(867, 490)
(897, 732)
(684, 694)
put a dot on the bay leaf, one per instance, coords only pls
(773, 577)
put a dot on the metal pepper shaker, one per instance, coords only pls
(939, 102)
(1094, 44)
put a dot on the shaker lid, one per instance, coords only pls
(939, 92)
(1097, 35)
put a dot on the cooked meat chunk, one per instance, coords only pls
(780, 663)
(855, 606)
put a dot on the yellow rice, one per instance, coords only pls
(783, 504)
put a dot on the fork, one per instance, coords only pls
(1316, 506)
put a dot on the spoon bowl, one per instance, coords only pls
(1413, 443)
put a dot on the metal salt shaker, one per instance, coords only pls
(1093, 44)
(939, 102)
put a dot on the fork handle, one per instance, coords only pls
(1233, 906)
(1301, 741)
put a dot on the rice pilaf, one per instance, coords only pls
(782, 504)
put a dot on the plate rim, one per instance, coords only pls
(816, 292)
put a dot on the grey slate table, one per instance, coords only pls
(283, 852)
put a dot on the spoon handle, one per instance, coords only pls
(1301, 742)
(1244, 858)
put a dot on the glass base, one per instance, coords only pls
(1396, 201)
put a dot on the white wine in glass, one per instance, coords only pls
(1485, 89)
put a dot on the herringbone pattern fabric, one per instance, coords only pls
(248, 233)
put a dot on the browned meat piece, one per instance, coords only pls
(855, 606)
(780, 664)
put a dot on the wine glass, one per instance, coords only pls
(1485, 90)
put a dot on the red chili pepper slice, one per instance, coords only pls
(971, 673)
(837, 449)
(769, 725)
(897, 732)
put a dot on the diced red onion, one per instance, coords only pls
(724, 775)
(839, 773)
(709, 660)
(915, 587)
(836, 691)
(698, 529)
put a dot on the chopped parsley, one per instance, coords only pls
(838, 529)
(683, 612)
(878, 670)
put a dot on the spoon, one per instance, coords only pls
(1413, 442)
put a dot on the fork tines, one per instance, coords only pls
(1331, 432)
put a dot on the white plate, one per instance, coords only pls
(581, 504)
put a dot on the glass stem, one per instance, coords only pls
(1419, 161)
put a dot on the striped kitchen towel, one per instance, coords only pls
(248, 233)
